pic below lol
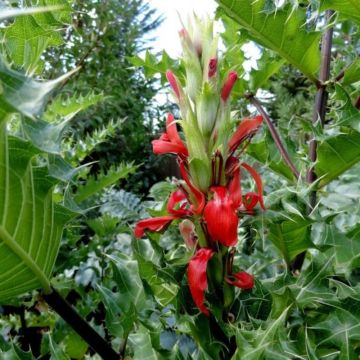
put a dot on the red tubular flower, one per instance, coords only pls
(212, 67)
(243, 280)
(154, 224)
(221, 217)
(173, 82)
(253, 197)
(246, 128)
(228, 86)
(235, 187)
(178, 197)
(197, 277)
(170, 141)
(199, 196)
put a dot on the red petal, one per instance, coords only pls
(221, 218)
(199, 196)
(153, 224)
(243, 280)
(246, 128)
(173, 134)
(173, 82)
(197, 277)
(251, 199)
(164, 147)
(258, 182)
(175, 198)
(229, 84)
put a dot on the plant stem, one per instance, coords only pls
(319, 113)
(70, 315)
(275, 135)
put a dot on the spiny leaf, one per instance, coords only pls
(352, 73)
(349, 9)
(95, 185)
(282, 32)
(336, 155)
(66, 108)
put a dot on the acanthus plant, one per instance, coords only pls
(209, 199)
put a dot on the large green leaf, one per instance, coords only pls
(11, 12)
(282, 31)
(349, 9)
(336, 155)
(28, 36)
(291, 237)
(31, 223)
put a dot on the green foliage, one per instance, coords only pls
(281, 31)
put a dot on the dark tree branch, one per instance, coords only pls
(274, 135)
(69, 314)
(319, 114)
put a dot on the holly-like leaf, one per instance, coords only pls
(282, 31)
(352, 73)
(336, 155)
(348, 9)
(291, 237)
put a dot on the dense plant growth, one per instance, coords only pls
(253, 253)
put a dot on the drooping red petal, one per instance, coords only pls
(234, 187)
(243, 280)
(258, 182)
(153, 224)
(229, 84)
(173, 134)
(246, 128)
(221, 217)
(173, 82)
(197, 277)
(175, 198)
(199, 196)
(250, 201)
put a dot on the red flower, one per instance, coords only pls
(246, 128)
(178, 197)
(197, 277)
(221, 217)
(243, 280)
(228, 86)
(153, 224)
(253, 198)
(170, 141)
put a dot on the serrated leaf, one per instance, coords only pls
(291, 237)
(141, 344)
(349, 9)
(56, 352)
(352, 73)
(282, 32)
(95, 185)
(28, 36)
(336, 155)
(65, 109)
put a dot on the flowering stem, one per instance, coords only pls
(274, 135)
(319, 113)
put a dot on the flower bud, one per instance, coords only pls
(206, 110)
(187, 231)
(228, 86)
(212, 67)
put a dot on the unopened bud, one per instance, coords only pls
(173, 83)
(206, 110)
(212, 67)
(187, 231)
(228, 86)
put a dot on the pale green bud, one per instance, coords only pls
(206, 110)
